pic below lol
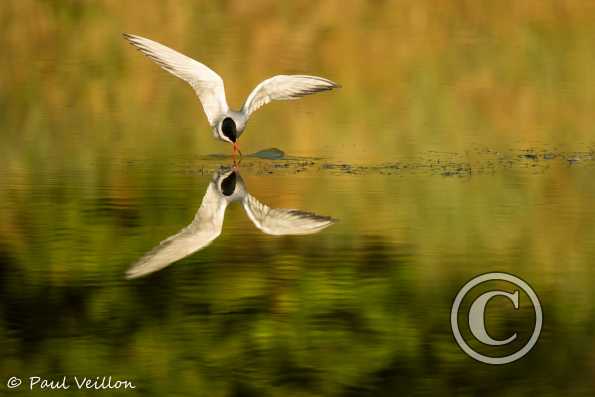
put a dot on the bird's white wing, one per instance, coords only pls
(281, 221)
(205, 228)
(207, 84)
(283, 87)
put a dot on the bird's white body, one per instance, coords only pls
(227, 124)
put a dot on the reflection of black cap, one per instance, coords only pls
(228, 185)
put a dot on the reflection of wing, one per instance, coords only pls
(281, 221)
(207, 84)
(284, 87)
(205, 228)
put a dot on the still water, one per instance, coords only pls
(461, 143)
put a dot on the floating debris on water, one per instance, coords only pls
(270, 154)
(549, 156)
(446, 164)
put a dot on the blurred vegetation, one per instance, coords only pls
(416, 76)
(100, 159)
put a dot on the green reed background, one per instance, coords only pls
(415, 76)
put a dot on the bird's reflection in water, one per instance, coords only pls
(226, 187)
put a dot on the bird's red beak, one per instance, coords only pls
(236, 149)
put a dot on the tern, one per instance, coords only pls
(227, 125)
(226, 187)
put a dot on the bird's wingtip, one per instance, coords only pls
(334, 84)
(331, 85)
(129, 36)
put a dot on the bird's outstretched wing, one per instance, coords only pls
(207, 84)
(281, 221)
(283, 87)
(205, 228)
